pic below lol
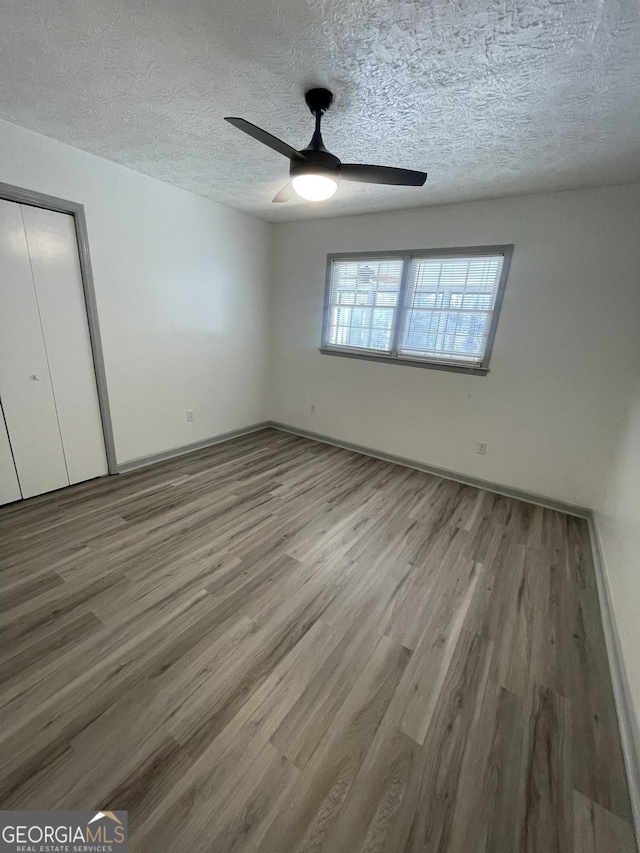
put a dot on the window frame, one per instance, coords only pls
(407, 256)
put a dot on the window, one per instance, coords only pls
(433, 308)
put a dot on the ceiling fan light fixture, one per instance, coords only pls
(315, 187)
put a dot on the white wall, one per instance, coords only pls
(618, 522)
(553, 402)
(181, 286)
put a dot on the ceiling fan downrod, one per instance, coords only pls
(318, 101)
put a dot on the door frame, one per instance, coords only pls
(60, 205)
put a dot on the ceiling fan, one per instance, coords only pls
(314, 171)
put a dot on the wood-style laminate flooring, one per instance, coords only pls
(276, 645)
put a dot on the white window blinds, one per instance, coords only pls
(448, 308)
(363, 299)
(436, 308)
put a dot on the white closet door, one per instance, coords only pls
(51, 238)
(25, 383)
(9, 486)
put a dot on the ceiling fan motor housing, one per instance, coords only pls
(315, 162)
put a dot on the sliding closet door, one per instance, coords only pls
(9, 486)
(51, 239)
(25, 383)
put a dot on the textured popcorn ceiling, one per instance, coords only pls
(491, 98)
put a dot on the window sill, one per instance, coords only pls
(431, 365)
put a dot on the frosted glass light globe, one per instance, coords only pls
(314, 187)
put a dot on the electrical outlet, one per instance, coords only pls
(481, 447)
(189, 414)
(312, 408)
